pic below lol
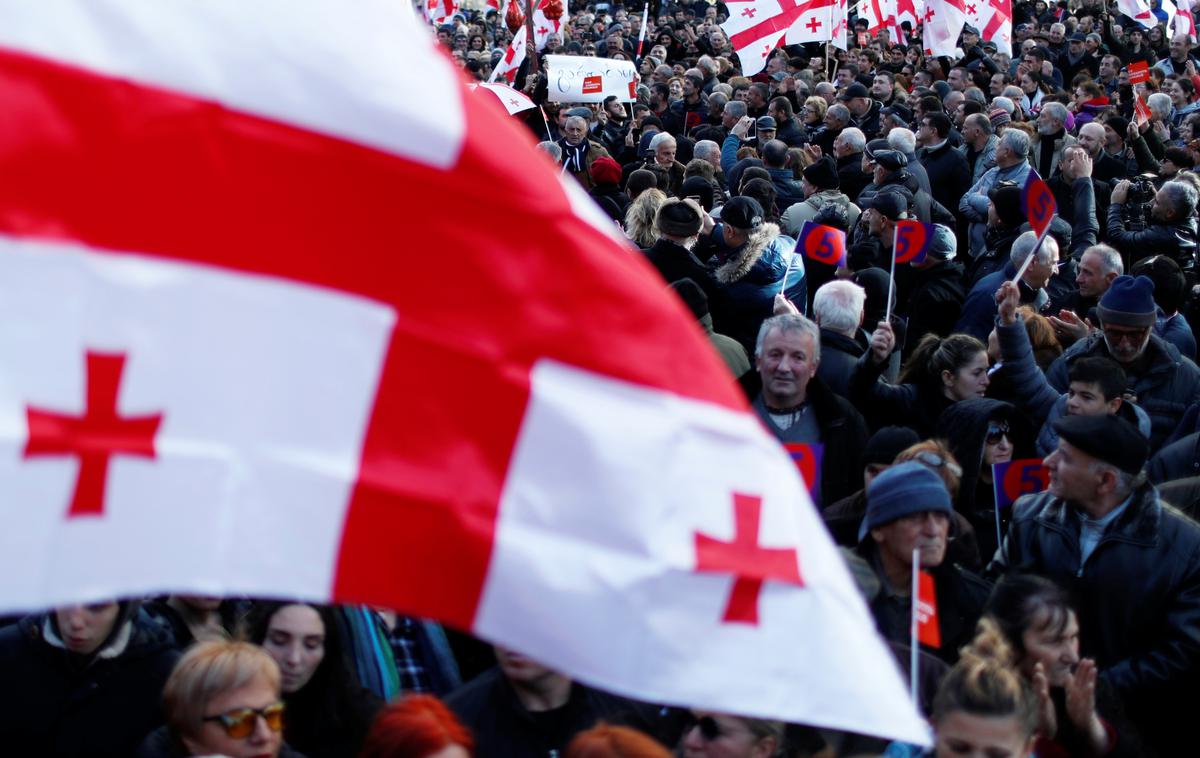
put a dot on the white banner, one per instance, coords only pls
(578, 79)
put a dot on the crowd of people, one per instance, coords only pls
(1069, 621)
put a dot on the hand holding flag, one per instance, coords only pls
(913, 240)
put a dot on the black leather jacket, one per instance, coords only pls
(1175, 240)
(1138, 598)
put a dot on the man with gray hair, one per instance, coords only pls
(662, 157)
(578, 152)
(1172, 228)
(1012, 151)
(848, 151)
(1051, 139)
(905, 142)
(980, 141)
(838, 308)
(1099, 266)
(797, 406)
(837, 118)
(979, 310)
(710, 152)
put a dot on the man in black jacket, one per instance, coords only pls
(1132, 562)
(1172, 230)
(949, 176)
(838, 310)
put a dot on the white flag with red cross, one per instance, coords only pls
(993, 19)
(437, 11)
(544, 28)
(910, 11)
(881, 16)
(756, 27)
(1184, 21)
(238, 356)
(943, 20)
(510, 63)
(1139, 11)
(513, 101)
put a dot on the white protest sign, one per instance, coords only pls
(578, 79)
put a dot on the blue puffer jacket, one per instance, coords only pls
(752, 275)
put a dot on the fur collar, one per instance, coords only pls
(740, 263)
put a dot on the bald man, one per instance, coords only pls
(1105, 168)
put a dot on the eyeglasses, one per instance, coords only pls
(708, 726)
(240, 723)
(1117, 336)
(933, 460)
(996, 432)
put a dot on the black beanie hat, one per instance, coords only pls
(698, 186)
(823, 174)
(1008, 204)
(678, 219)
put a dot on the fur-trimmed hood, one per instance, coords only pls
(744, 259)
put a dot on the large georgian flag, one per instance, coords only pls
(269, 326)
(944, 20)
(993, 20)
(756, 27)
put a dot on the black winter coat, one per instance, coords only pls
(935, 302)
(839, 355)
(851, 178)
(1138, 598)
(1165, 382)
(949, 175)
(502, 727)
(1175, 240)
(914, 405)
(57, 703)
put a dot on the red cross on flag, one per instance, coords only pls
(544, 28)
(269, 328)
(437, 11)
(911, 11)
(881, 15)
(1184, 22)
(944, 20)
(993, 19)
(756, 27)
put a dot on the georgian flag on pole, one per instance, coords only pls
(756, 27)
(236, 359)
(544, 28)
(993, 19)
(642, 31)
(839, 19)
(944, 20)
(437, 11)
(1165, 13)
(513, 57)
(911, 11)
(1139, 11)
(1184, 21)
(881, 14)
(513, 101)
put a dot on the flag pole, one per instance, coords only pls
(545, 121)
(529, 38)
(887, 314)
(787, 272)
(996, 488)
(913, 644)
(1030, 257)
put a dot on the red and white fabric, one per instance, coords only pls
(911, 11)
(513, 101)
(274, 328)
(756, 27)
(944, 20)
(510, 63)
(1184, 21)
(544, 28)
(1139, 11)
(881, 15)
(839, 19)
(437, 11)
(993, 19)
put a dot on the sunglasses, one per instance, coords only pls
(933, 460)
(996, 432)
(708, 726)
(240, 723)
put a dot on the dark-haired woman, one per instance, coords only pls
(940, 372)
(1078, 714)
(328, 713)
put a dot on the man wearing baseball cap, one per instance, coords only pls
(881, 210)
(908, 509)
(1131, 561)
(864, 111)
(1163, 381)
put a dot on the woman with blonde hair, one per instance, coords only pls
(639, 217)
(984, 706)
(222, 698)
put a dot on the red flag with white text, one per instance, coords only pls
(234, 360)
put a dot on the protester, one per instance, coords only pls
(222, 698)
(328, 713)
(83, 680)
(420, 726)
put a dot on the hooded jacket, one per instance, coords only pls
(58, 703)
(1138, 599)
(794, 217)
(749, 277)
(964, 426)
(974, 204)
